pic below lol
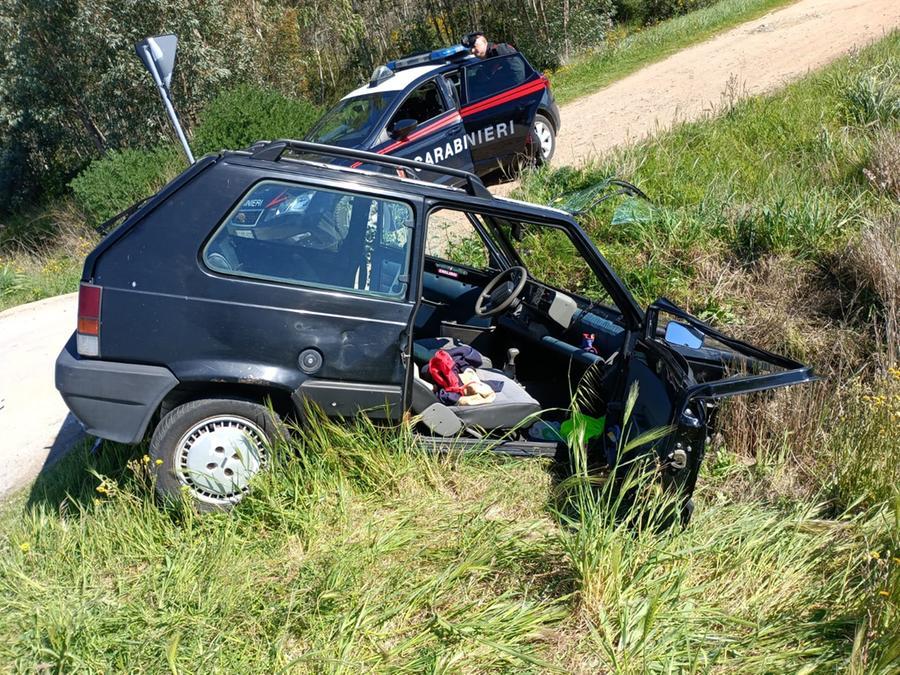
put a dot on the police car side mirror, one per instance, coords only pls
(403, 128)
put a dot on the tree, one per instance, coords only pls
(72, 87)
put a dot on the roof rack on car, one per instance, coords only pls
(272, 152)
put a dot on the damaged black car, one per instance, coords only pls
(259, 282)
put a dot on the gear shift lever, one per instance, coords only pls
(509, 369)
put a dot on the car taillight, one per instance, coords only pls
(88, 333)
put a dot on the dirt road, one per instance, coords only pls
(759, 56)
(754, 58)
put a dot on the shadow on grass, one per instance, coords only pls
(72, 477)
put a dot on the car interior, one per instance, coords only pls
(532, 334)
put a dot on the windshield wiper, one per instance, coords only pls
(107, 225)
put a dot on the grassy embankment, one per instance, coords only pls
(41, 252)
(630, 48)
(776, 220)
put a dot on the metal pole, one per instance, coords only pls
(164, 94)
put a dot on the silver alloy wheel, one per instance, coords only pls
(217, 457)
(544, 134)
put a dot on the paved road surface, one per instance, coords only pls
(758, 56)
(33, 419)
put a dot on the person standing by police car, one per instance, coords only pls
(479, 46)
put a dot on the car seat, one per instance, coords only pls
(511, 405)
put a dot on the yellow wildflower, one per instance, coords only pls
(884, 593)
(24, 547)
(875, 555)
(145, 459)
(158, 462)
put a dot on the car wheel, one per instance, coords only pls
(544, 138)
(211, 449)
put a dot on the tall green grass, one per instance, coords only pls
(775, 175)
(629, 48)
(358, 552)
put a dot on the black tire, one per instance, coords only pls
(212, 448)
(543, 135)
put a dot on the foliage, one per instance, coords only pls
(122, 178)
(240, 116)
(780, 175)
(72, 88)
(647, 12)
(360, 550)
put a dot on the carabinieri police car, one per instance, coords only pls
(448, 107)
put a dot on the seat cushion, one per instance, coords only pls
(511, 405)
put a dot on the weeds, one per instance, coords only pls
(883, 171)
(443, 563)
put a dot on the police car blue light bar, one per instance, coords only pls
(443, 54)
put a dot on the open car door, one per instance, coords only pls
(682, 368)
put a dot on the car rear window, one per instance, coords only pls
(315, 237)
(494, 76)
(352, 120)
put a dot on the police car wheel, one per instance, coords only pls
(544, 138)
(211, 449)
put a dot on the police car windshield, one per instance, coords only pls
(352, 120)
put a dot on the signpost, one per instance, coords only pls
(158, 55)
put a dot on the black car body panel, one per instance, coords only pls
(257, 275)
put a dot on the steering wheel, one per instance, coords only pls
(502, 291)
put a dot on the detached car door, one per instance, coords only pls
(502, 95)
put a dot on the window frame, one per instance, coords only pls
(481, 229)
(433, 81)
(304, 284)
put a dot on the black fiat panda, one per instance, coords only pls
(260, 281)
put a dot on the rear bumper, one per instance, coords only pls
(112, 400)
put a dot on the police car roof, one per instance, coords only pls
(398, 81)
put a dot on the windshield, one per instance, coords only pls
(352, 120)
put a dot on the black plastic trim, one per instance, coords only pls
(112, 400)
(338, 397)
(272, 153)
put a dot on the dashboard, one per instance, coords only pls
(558, 306)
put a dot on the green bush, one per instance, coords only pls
(240, 116)
(113, 183)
